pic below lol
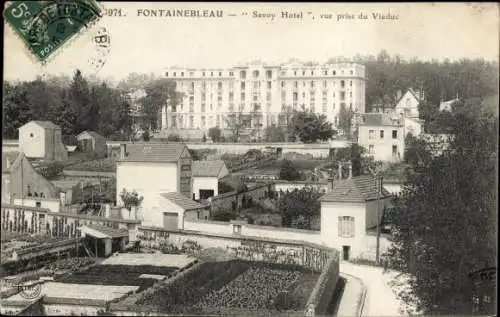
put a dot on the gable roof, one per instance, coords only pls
(182, 201)
(44, 124)
(93, 134)
(12, 157)
(107, 231)
(377, 119)
(207, 168)
(411, 92)
(154, 152)
(446, 105)
(355, 190)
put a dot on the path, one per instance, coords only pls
(380, 299)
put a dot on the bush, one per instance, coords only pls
(215, 134)
(174, 138)
(289, 171)
(225, 216)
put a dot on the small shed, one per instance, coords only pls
(90, 141)
(42, 140)
(103, 241)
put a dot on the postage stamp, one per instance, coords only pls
(45, 26)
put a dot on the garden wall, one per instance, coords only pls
(228, 201)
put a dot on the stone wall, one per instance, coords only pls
(33, 220)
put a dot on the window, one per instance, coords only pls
(182, 74)
(394, 134)
(38, 204)
(282, 84)
(211, 74)
(312, 84)
(303, 73)
(326, 72)
(342, 84)
(203, 74)
(325, 84)
(243, 74)
(346, 226)
(219, 85)
(191, 74)
(394, 150)
(243, 85)
(269, 85)
(269, 74)
(204, 84)
(166, 74)
(312, 72)
(342, 95)
(295, 73)
(237, 229)
(371, 134)
(231, 96)
(174, 74)
(242, 96)
(220, 74)
(350, 83)
(191, 122)
(268, 96)
(381, 134)
(371, 149)
(32, 135)
(296, 84)
(334, 73)
(231, 74)
(255, 74)
(203, 121)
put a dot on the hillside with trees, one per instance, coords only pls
(75, 106)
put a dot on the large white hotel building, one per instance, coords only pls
(260, 94)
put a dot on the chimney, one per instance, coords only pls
(123, 151)
(350, 169)
(340, 171)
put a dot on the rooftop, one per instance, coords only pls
(45, 124)
(355, 190)
(154, 152)
(379, 119)
(107, 231)
(182, 201)
(207, 168)
(92, 134)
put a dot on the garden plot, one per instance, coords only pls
(81, 291)
(134, 259)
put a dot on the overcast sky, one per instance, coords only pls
(150, 44)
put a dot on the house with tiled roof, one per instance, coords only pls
(177, 208)
(206, 176)
(151, 169)
(349, 214)
(42, 140)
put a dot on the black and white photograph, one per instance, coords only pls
(249, 159)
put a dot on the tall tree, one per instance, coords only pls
(159, 93)
(274, 133)
(16, 109)
(345, 119)
(310, 127)
(80, 104)
(445, 218)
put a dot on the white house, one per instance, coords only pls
(408, 104)
(383, 136)
(173, 210)
(151, 169)
(447, 105)
(42, 140)
(206, 176)
(349, 212)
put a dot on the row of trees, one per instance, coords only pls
(75, 106)
(445, 219)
